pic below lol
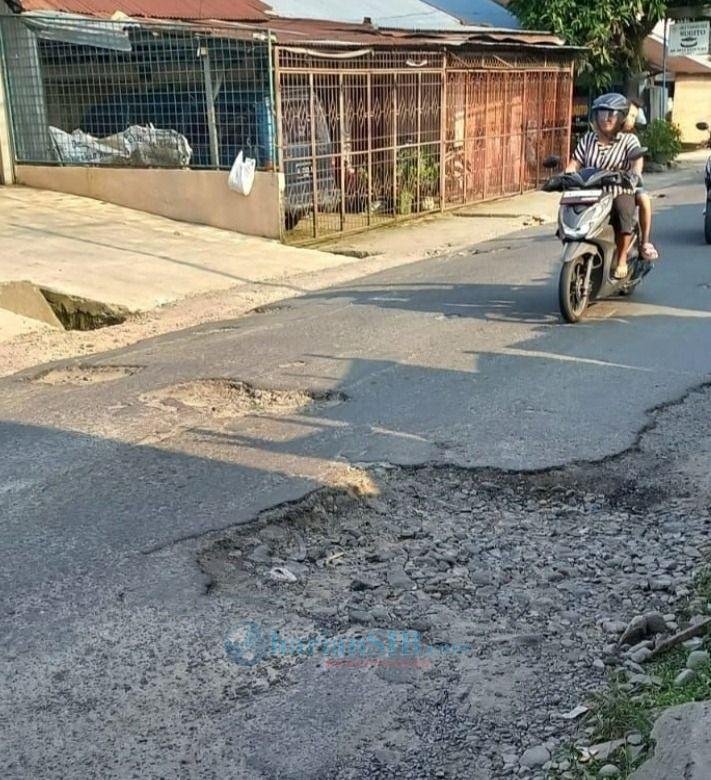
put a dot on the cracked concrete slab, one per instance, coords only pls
(26, 299)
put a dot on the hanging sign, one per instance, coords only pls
(689, 39)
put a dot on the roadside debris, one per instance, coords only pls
(136, 145)
(693, 631)
(282, 574)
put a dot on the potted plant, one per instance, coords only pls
(410, 167)
(663, 140)
(405, 198)
(429, 180)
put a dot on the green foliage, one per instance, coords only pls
(702, 584)
(616, 712)
(408, 164)
(663, 139)
(669, 696)
(613, 30)
(622, 708)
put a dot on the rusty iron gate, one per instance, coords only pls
(367, 138)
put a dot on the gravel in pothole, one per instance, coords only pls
(226, 398)
(523, 570)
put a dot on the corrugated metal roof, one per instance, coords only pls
(324, 33)
(233, 10)
(225, 16)
(408, 14)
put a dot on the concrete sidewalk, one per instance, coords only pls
(440, 233)
(119, 257)
(107, 253)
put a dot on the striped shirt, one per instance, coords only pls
(591, 152)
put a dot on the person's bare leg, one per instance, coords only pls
(645, 216)
(647, 248)
(624, 241)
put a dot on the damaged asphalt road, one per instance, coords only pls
(130, 577)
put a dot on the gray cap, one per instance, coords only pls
(612, 101)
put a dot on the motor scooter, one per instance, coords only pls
(585, 227)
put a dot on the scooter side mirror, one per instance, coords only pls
(702, 126)
(637, 154)
(551, 162)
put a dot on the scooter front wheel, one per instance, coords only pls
(572, 292)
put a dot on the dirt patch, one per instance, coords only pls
(85, 375)
(226, 398)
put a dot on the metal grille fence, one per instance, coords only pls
(368, 138)
(358, 147)
(362, 138)
(88, 92)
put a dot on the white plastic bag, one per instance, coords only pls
(144, 147)
(241, 176)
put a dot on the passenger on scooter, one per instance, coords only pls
(607, 148)
(647, 250)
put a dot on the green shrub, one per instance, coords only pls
(663, 139)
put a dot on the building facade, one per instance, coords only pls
(351, 125)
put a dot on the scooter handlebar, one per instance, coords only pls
(574, 181)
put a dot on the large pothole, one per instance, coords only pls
(227, 398)
(59, 310)
(85, 375)
(478, 597)
(76, 313)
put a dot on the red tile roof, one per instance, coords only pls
(229, 10)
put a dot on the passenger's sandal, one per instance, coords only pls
(648, 252)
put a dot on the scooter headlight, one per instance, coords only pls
(579, 231)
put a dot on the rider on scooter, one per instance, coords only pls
(607, 148)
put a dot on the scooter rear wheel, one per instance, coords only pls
(572, 295)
